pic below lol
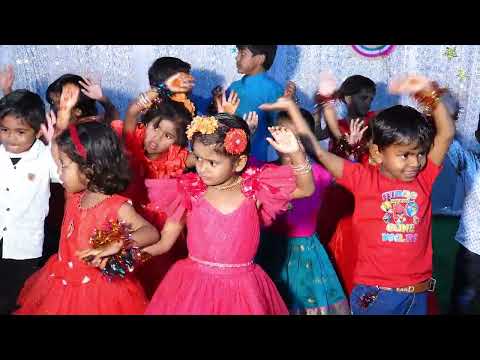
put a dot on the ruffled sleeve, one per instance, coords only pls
(174, 196)
(272, 186)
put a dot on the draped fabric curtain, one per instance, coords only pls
(122, 70)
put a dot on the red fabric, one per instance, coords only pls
(66, 285)
(391, 224)
(169, 164)
(335, 221)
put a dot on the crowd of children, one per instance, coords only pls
(238, 210)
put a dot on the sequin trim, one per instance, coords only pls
(220, 265)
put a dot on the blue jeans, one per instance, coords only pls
(369, 300)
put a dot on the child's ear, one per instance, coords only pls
(241, 163)
(375, 153)
(260, 59)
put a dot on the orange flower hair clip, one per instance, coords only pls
(202, 124)
(236, 141)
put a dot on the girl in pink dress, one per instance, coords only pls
(223, 206)
(93, 170)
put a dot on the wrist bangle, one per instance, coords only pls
(428, 101)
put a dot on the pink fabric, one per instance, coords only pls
(191, 287)
(301, 220)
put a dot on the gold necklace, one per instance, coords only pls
(230, 186)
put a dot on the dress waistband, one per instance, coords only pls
(220, 265)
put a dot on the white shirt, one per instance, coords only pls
(24, 196)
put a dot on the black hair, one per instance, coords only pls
(401, 125)
(268, 50)
(354, 84)
(85, 104)
(311, 124)
(225, 123)
(106, 165)
(165, 67)
(24, 105)
(173, 111)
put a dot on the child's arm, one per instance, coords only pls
(143, 234)
(285, 142)
(94, 91)
(326, 90)
(332, 162)
(417, 84)
(7, 77)
(170, 233)
(68, 100)
(136, 107)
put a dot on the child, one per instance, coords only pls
(392, 216)
(335, 221)
(222, 206)
(157, 148)
(466, 288)
(254, 89)
(171, 77)
(27, 168)
(90, 92)
(93, 170)
(292, 254)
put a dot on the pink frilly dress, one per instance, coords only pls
(219, 276)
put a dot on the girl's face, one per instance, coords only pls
(214, 168)
(160, 134)
(359, 103)
(16, 135)
(72, 178)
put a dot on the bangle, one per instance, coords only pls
(164, 90)
(323, 100)
(302, 169)
(429, 101)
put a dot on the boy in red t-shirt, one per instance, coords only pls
(392, 216)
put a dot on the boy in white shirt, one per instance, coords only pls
(26, 167)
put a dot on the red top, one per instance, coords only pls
(392, 225)
(171, 163)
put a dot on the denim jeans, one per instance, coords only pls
(369, 300)
(466, 286)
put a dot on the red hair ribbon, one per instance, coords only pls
(76, 141)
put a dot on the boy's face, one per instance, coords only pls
(16, 135)
(247, 63)
(359, 104)
(400, 161)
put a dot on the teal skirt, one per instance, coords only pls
(303, 274)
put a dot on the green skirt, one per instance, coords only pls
(303, 274)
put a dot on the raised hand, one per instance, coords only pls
(7, 76)
(409, 84)
(229, 106)
(252, 121)
(69, 97)
(284, 140)
(327, 84)
(290, 90)
(49, 131)
(91, 89)
(357, 129)
(180, 83)
(143, 102)
(282, 104)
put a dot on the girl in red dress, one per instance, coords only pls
(93, 169)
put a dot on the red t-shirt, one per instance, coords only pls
(391, 224)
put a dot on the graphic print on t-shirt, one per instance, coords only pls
(400, 215)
